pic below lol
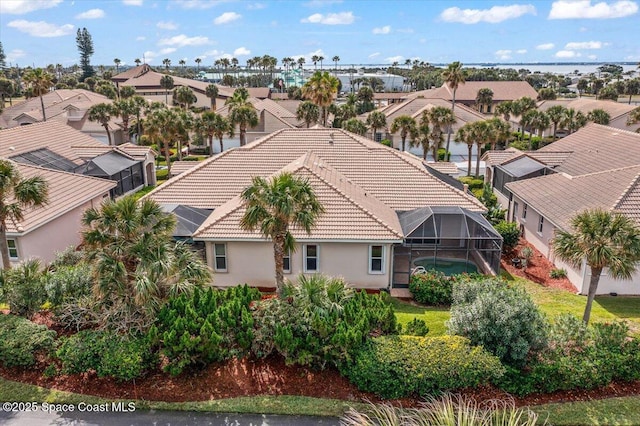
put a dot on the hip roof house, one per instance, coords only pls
(365, 235)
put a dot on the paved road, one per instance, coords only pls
(157, 418)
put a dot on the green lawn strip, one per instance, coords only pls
(611, 411)
(435, 317)
(283, 404)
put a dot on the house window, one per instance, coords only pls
(488, 108)
(13, 249)
(311, 258)
(540, 224)
(515, 210)
(376, 259)
(220, 251)
(286, 262)
(377, 137)
(524, 211)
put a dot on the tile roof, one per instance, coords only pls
(350, 212)
(178, 167)
(67, 191)
(399, 180)
(496, 157)
(558, 197)
(467, 92)
(586, 105)
(445, 167)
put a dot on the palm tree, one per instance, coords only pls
(315, 59)
(632, 87)
(500, 132)
(335, 60)
(137, 61)
(125, 108)
(40, 82)
(467, 135)
(136, 263)
(376, 120)
(275, 207)
(422, 136)
(453, 77)
(102, 114)
(198, 61)
(505, 109)
(320, 59)
(140, 104)
(117, 62)
(599, 116)
(212, 93)
(166, 82)
(406, 125)
(573, 120)
(212, 124)
(354, 125)
(167, 63)
(308, 111)
(161, 127)
(440, 118)
(601, 239)
(17, 195)
(244, 116)
(540, 121)
(185, 96)
(634, 117)
(556, 114)
(484, 98)
(182, 63)
(320, 89)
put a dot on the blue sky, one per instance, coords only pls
(40, 32)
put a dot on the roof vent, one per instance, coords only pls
(12, 148)
(331, 138)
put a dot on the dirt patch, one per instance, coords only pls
(538, 269)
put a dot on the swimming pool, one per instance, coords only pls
(448, 266)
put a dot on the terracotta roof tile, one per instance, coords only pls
(467, 92)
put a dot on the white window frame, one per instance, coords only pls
(305, 257)
(287, 255)
(12, 245)
(224, 256)
(540, 224)
(371, 258)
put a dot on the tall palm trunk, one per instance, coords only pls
(221, 146)
(210, 145)
(478, 161)
(44, 116)
(470, 147)
(4, 249)
(167, 155)
(593, 287)
(453, 107)
(106, 128)
(278, 257)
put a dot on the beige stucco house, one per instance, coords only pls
(595, 167)
(385, 212)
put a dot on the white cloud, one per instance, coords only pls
(199, 4)
(545, 46)
(342, 18)
(241, 51)
(585, 45)
(91, 14)
(15, 54)
(583, 9)
(382, 30)
(167, 25)
(227, 17)
(140, 38)
(41, 28)
(405, 30)
(592, 57)
(182, 40)
(167, 50)
(493, 16)
(214, 52)
(373, 55)
(399, 59)
(132, 2)
(256, 6)
(20, 7)
(567, 54)
(583, 29)
(521, 51)
(503, 54)
(321, 3)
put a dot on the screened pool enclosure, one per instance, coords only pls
(451, 239)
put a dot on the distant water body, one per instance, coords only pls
(563, 69)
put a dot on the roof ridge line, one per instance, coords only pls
(633, 183)
(618, 169)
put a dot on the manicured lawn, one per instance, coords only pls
(435, 317)
(610, 412)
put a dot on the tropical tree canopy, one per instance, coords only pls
(308, 112)
(376, 120)
(320, 89)
(354, 125)
(599, 116)
(275, 207)
(602, 239)
(102, 113)
(39, 82)
(16, 195)
(407, 127)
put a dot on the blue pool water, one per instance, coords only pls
(447, 266)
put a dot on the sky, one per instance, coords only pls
(42, 32)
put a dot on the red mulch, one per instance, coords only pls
(537, 270)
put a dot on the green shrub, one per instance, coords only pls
(21, 340)
(473, 182)
(400, 366)
(441, 152)
(205, 327)
(319, 322)
(23, 288)
(416, 327)
(558, 273)
(502, 319)
(526, 253)
(431, 288)
(386, 142)
(510, 234)
(107, 353)
(66, 284)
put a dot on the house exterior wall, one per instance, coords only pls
(579, 277)
(55, 236)
(253, 263)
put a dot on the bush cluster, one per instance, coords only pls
(106, 353)
(510, 234)
(578, 357)
(204, 327)
(473, 182)
(21, 340)
(431, 288)
(502, 319)
(23, 288)
(320, 322)
(558, 273)
(400, 366)
(416, 327)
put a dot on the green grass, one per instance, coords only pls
(284, 404)
(435, 317)
(610, 412)
(144, 191)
